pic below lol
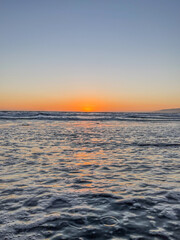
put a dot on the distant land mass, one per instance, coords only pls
(173, 110)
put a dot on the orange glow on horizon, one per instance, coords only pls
(81, 104)
(87, 109)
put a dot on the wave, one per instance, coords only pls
(93, 116)
(157, 144)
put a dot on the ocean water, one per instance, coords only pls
(89, 176)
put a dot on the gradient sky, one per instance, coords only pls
(90, 55)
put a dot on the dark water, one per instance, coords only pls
(89, 176)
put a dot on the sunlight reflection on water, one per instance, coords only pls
(105, 178)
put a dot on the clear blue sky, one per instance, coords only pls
(126, 52)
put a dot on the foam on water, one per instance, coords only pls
(81, 116)
(82, 179)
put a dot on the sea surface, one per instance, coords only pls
(82, 176)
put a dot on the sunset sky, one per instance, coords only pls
(89, 55)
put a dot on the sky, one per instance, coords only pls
(89, 55)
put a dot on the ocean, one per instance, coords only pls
(81, 176)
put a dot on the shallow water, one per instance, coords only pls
(99, 176)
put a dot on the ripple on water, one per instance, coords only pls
(69, 180)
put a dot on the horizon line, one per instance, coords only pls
(87, 111)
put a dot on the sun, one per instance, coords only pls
(87, 109)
